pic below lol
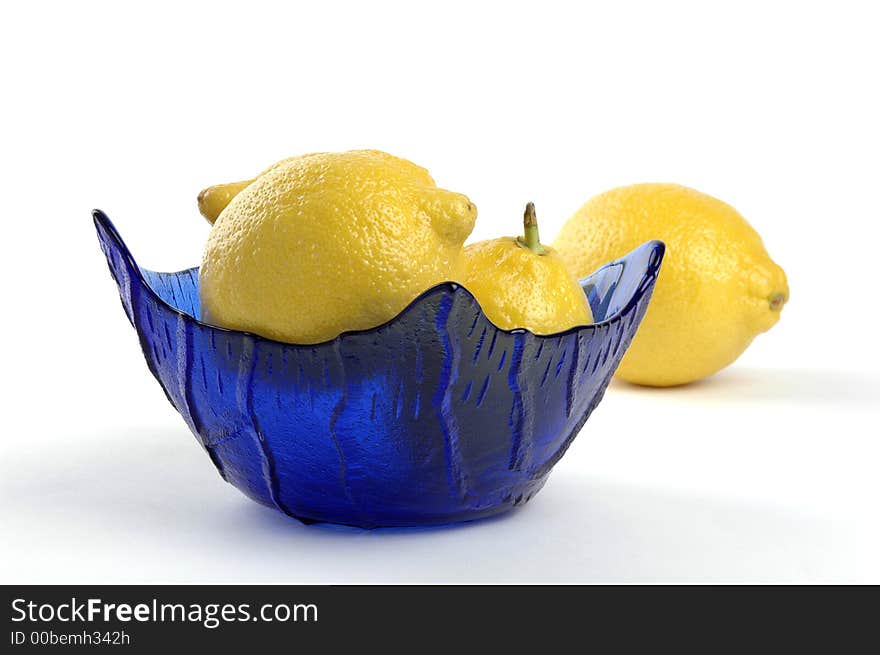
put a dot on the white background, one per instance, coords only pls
(766, 472)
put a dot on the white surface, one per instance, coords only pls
(767, 472)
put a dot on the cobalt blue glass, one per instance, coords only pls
(435, 417)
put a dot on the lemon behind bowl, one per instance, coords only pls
(717, 290)
(330, 242)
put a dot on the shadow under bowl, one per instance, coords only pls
(437, 416)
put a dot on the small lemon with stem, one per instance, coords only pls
(520, 283)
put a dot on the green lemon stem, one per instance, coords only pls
(530, 238)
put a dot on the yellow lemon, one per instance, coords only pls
(717, 289)
(214, 199)
(329, 242)
(521, 284)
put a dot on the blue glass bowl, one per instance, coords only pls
(434, 417)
